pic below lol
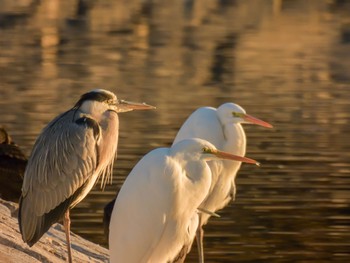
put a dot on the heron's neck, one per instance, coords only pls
(109, 123)
(97, 110)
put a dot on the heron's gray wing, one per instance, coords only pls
(62, 164)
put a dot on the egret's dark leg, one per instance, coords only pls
(66, 223)
(199, 239)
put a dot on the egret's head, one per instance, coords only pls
(209, 152)
(196, 148)
(233, 113)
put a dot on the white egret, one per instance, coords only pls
(70, 154)
(222, 127)
(155, 214)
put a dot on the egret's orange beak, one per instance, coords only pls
(253, 120)
(229, 156)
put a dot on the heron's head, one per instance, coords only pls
(233, 113)
(102, 100)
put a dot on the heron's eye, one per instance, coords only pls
(110, 101)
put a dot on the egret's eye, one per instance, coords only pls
(207, 150)
(237, 114)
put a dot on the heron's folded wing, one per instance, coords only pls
(63, 159)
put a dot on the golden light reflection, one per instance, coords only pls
(49, 47)
(284, 61)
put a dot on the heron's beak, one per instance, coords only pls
(124, 106)
(229, 156)
(253, 120)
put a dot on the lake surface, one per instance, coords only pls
(286, 62)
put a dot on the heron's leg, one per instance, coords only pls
(199, 239)
(66, 223)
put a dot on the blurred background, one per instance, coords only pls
(285, 61)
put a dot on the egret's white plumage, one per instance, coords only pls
(155, 215)
(222, 127)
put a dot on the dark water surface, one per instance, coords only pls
(286, 62)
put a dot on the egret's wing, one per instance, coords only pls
(180, 256)
(64, 158)
(140, 216)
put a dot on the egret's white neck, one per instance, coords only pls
(194, 171)
(235, 142)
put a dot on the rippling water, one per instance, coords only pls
(286, 62)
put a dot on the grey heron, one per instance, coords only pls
(70, 154)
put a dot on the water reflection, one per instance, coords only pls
(284, 61)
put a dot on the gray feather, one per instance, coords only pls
(63, 160)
